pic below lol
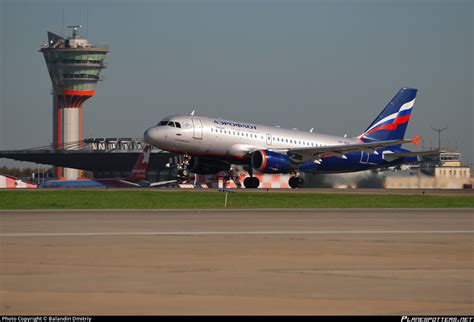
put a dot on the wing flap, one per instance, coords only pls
(396, 155)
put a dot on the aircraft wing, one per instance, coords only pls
(145, 184)
(134, 184)
(316, 153)
(161, 183)
(395, 155)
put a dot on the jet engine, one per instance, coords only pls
(271, 162)
(207, 166)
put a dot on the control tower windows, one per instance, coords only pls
(75, 76)
(81, 61)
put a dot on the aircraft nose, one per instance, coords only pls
(152, 136)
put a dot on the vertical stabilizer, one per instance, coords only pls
(140, 168)
(392, 122)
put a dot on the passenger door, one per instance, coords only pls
(269, 139)
(197, 125)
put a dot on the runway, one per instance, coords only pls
(358, 191)
(237, 262)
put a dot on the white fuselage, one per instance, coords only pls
(198, 135)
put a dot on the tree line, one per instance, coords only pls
(25, 172)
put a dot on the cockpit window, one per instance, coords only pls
(162, 123)
(178, 125)
(171, 124)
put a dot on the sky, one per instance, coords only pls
(327, 65)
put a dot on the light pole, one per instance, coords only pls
(439, 130)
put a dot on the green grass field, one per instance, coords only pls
(104, 199)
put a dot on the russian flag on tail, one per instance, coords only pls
(392, 122)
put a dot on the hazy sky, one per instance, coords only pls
(331, 65)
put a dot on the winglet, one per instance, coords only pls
(416, 140)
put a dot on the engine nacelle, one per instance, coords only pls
(271, 162)
(207, 166)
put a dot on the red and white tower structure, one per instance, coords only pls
(74, 66)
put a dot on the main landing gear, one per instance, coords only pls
(251, 182)
(296, 182)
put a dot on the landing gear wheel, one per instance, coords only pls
(251, 182)
(295, 182)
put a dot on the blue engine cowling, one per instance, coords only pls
(271, 162)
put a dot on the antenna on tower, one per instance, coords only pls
(75, 34)
(439, 130)
(87, 22)
(62, 27)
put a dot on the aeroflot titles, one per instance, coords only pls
(247, 126)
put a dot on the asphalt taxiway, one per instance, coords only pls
(320, 261)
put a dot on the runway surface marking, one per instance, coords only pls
(208, 233)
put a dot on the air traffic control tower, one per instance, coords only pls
(74, 66)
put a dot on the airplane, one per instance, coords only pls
(212, 145)
(135, 179)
